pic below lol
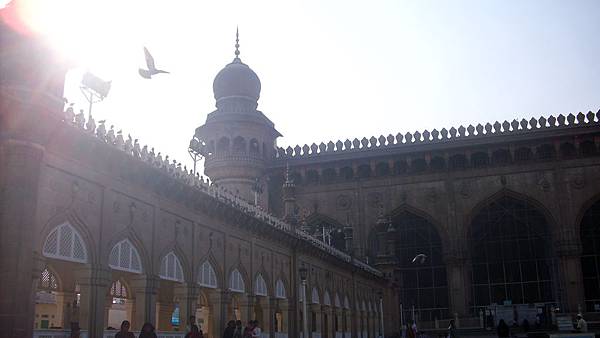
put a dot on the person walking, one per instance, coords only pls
(452, 330)
(147, 331)
(581, 324)
(503, 330)
(411, 331)
(194, 332)
(124, 331)
(256, 331)
(229, 330)
(237, 333)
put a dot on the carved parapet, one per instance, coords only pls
(444, 135)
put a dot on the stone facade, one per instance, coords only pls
(104, 230)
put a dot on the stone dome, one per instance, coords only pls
(236, 79)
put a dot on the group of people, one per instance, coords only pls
(148, 331)
(234, 329)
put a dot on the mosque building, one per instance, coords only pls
(345, 239)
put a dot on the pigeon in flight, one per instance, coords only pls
(147, 73)
(420, 259)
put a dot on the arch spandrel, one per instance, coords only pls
(505, 192)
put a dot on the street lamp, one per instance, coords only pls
(380, 294)
(303, 273)
(94, 88)
(195, 150)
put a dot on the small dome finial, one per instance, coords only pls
(237, 43)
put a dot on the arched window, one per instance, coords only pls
(47, 281)
(65, 243)
(118, 289)
(170, 268)
(326, 298)
(328, 175)
(125, 257)
(254, 148)
(336, 301)
(223, 145)
(260, 286)
(207, 276)
(280, 290)
(118, 292)
(315, 296)
(424, 285)
(510, 253)
(239, 145)
(346, 303)
(590, 258)
(236, 282)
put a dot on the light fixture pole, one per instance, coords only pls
(380, 293)
(303, 272)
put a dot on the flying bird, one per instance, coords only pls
(147, 73)
(420, 259)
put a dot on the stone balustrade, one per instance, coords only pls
(180, 173)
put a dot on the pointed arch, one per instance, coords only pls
(314, 296)
(336, 301)
(119, 289)
(260, 286)
(505, 192)
(326, 298)
(236, 281)
(280, 290)
(65, 243)
(510, 246)
(346, 303)
(124, 256)
(409, 209)
(207, 277)
(171, 268)
(48, 280)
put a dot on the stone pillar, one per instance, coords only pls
(145, 289)
(107, 305)
(188, 296)
(459, 283)
(218, 301)
(164, 312)
(327, 330)
(64, 301)
(246, 307)
(286, 315)
(268, 307)
(316, 309)
(570, 275)
(94, 283)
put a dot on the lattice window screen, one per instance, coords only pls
(207, 276)
(260, 287)
(280, 290)
(125, 257)
(170, 268)
(236, 282)
(65, 243)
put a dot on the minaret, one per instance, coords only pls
(289, 198)
(237, 140)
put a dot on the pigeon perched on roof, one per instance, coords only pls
(147, 73)
(419, 259)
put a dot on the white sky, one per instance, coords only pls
(333, 69)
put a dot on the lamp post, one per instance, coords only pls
(303, 272)
(380, 294)
(195, 150)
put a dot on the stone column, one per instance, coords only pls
(188, 298)
(107, 305)
(286, 315)
(268, 324)
(459, 282)
(145, 288)
(164, 311)
(64, 302)
(570, 275)
(218, 301)
(246, 307)
(327, 326)
(316, 309)
(94, 283)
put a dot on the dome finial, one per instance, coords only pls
(237, 44)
